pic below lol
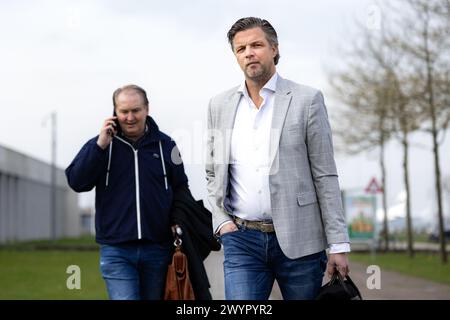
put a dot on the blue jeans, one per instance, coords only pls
(135, 271)
(253, 260)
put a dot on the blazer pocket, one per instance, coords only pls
(291, 135)
(306, 198)
(292, 127)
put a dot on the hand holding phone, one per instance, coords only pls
(116, 121)
(113, 126)
(107, 132)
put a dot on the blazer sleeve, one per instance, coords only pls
(213, 186)
(324, 173)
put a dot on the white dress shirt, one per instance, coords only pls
(249, 155)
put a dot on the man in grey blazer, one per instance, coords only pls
(271, 177)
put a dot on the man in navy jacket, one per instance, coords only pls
(135, 169)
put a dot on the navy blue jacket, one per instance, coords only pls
(133, 199)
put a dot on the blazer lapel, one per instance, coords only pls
(282, 101)
(229, 115)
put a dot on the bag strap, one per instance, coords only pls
(344, 281)
(350, 281)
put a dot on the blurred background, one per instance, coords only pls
(383, 66)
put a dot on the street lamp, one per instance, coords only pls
(53, 119)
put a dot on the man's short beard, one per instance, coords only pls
(262, 77)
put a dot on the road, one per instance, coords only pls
(394, 286)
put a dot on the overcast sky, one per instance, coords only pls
(69, 56)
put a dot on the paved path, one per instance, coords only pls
(214, 268)
(394, 286)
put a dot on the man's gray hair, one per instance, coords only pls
(134, 87)
(250, 23)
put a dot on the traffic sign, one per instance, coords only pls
(373, 186)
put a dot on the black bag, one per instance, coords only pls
(339, 288)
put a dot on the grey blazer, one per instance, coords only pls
(304, 190)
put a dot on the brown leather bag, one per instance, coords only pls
(178, 284)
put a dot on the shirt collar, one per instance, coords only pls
(270, 85)
(138, 141)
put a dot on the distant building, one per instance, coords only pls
(25, 197)
(87, 220)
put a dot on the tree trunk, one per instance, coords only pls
(437, 171)
(409, 228)
(384, 200)
(434, 133)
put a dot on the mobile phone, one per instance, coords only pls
(116, 121)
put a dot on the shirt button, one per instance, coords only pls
(259, 191)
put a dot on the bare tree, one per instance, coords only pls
(424, 39)
(446, 189)
(407, 121)
(364, 121)
(405, 115)
(398, 79)
(394, 82)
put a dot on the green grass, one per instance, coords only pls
(417, 236)
(427, 266)
(64, 243)
(42, 275)
(27, 273)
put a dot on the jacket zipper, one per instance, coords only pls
(136, 174)
(138, 202)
